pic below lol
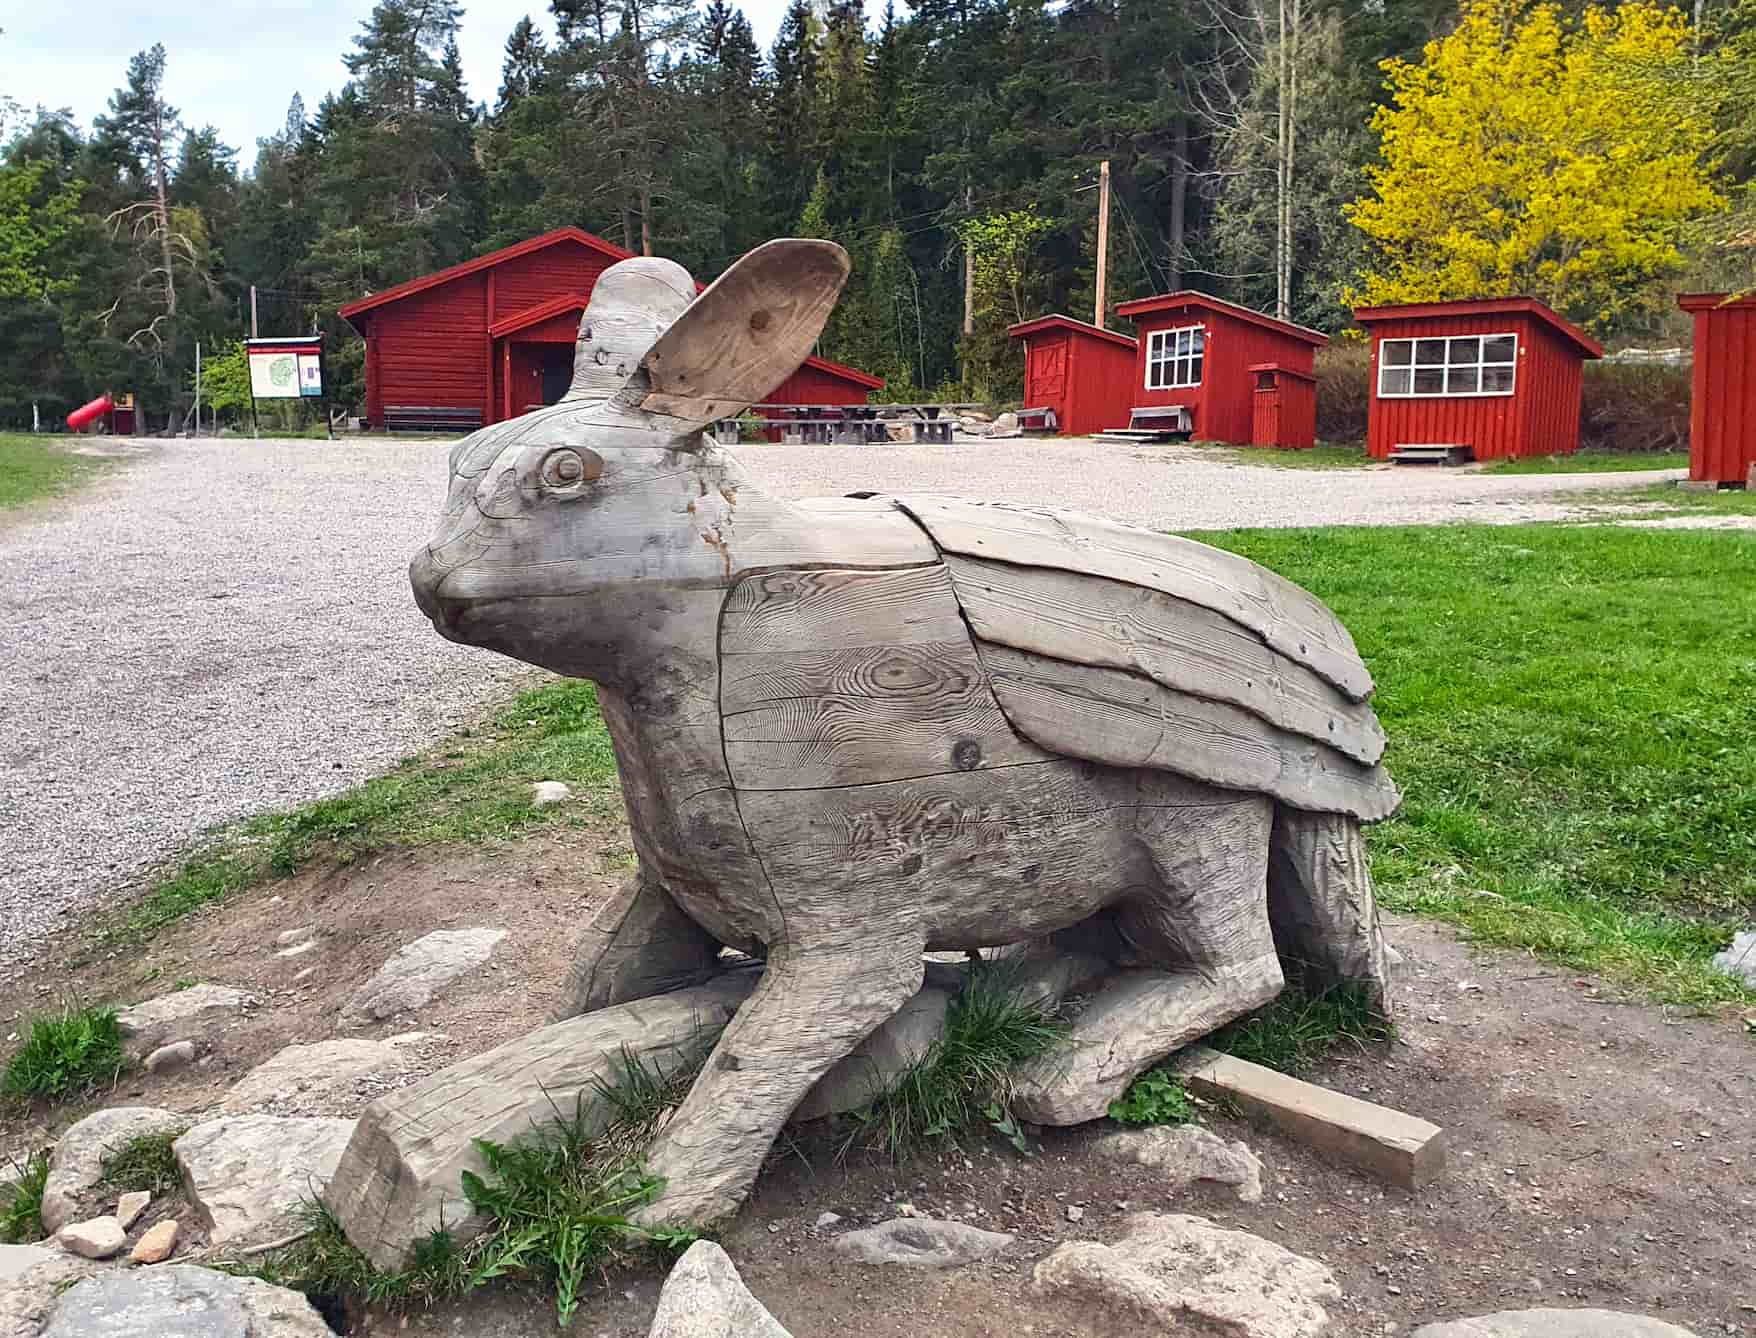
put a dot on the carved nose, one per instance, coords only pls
(424, 577)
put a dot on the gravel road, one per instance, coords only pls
(219, 629)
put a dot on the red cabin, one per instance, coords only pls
(1081, 374)
(493, 338)
(1722, 413)
(1499, 377)
(1214, 359)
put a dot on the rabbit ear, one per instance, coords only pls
(743, 336)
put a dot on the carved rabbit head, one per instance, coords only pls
(577, 513)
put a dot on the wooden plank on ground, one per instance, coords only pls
(1403, 1149)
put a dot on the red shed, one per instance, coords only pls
(493, 337)
(1722, 413)
(1084, 374)
(1499, 376)
(1209, 356)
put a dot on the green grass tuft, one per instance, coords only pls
(1568, 713)
(1155, 1097)
(35, 468)
(1300, 1029)
(557, 1202)
(965, 1078)
(66, 1054)
(144, 1163)
(1591, 462)
(465, 791)
(21, 1201)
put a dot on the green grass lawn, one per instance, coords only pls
(1569, 715)
(1591, 462)
(32, 468)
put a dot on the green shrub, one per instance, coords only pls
(21, 1202)
(1155, 1097)
(66, 1054)
(1344, 391)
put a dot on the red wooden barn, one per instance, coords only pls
(1722, 413)
(1212, 356)
(493, 338)
(1083, 374)
(1500, 376)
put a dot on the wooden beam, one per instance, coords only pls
(1385, 1143)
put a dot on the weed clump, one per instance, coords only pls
(1155, 1097)
(66, 1054)
(21, 1202)
(145, 1163)
(1302, 1027)
(965, 1078)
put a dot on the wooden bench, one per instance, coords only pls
(1154, 422)
(430, 418)
(1037, 422)
(1432, 453)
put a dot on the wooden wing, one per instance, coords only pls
(1138, 649)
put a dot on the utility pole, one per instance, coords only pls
(198, 387)
(1103, 240)
(969, 274)
(253, 311)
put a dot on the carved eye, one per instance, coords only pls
(566, 468)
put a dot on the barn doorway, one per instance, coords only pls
(557, 371)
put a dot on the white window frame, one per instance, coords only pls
(1478, 365)
(1162, 351)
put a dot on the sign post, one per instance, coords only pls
(285, 369)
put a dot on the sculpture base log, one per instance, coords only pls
(401, 1176)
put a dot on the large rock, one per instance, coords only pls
(327, 1070)
(78, 1163)
(901, 1042)
(1187, 1154)
(180, 1301)
(416, 974)
(921, 1242)
(196, 1012)
(1739, 960)
(1169, 1271)
(1554, 1324)
(401, 1176)
(705, 1298)
(31, 1278)
(244, 1173)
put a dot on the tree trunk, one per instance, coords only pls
(645, 219)
(1283, 164)
(163, 209)
(1179, 198)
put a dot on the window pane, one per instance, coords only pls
(1499, 348)
(1429, 353)
(1393, 381)
(1398, 352)
(1464, 351)
(1198, 339)
(1429, 380)
(1461, 381)
(1195, 371)
(1497, 380)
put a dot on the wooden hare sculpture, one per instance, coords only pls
(853, 730)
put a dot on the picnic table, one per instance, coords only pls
(845, 424)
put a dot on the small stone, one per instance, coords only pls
(773, 1228)
(129, 1208)
(157, 1243)
(1554, 1323)
(705, 1298)
(170, 1058)
(416, 974)
(1187, 1153)
(298, 935)
(826, 1220)
(298, 949)
(306, 974)
(1739, 960)
(98, 1238)
(545, 793)
(921, 1242)
(1075, 1213)
(190, 1014)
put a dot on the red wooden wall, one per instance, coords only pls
(1222, 407)
(1285, 409)
(1539, 417)
(1086, 375)
(1722, 414)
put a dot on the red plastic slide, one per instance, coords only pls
(85, 414)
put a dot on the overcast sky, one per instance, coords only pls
(234, 65)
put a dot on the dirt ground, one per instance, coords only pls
(1601, 1151)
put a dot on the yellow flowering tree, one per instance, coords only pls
(1526, 155)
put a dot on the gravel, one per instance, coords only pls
(220, 629)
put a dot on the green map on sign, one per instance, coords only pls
(284, 370)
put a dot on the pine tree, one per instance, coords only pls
(523, 71)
